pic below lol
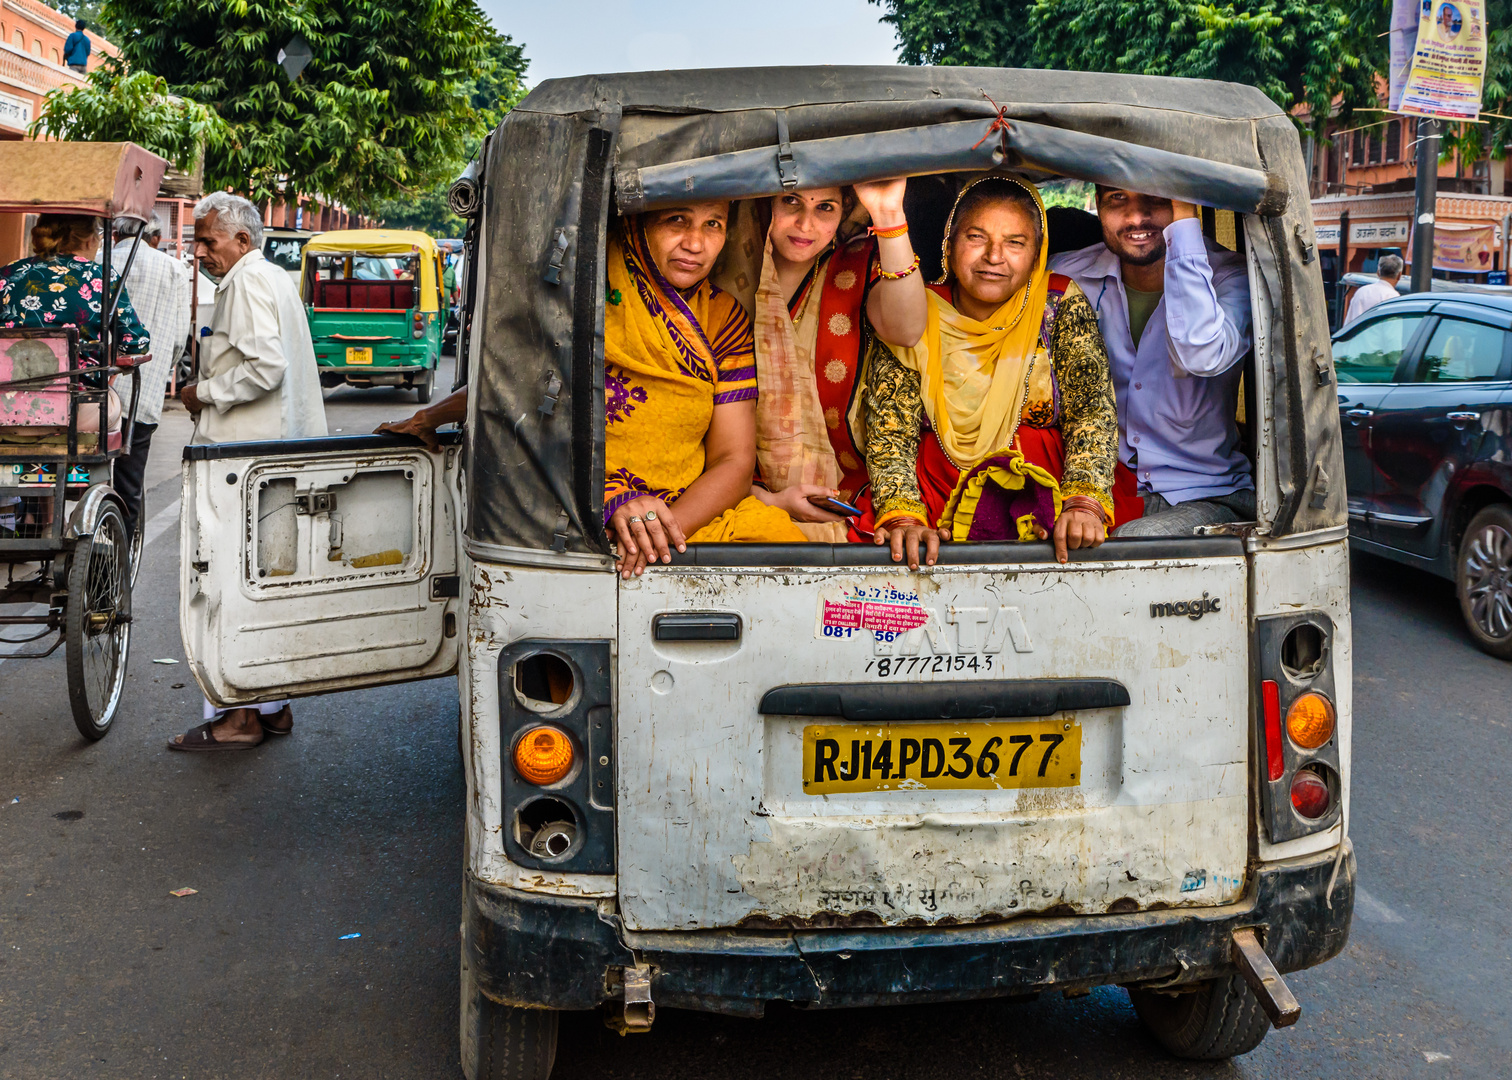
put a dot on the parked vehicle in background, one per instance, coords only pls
(283, 248)
(1425, 404)
(373, 297)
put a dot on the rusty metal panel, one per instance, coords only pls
(716, 828)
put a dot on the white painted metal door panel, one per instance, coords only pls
(304, 572)
(717, 830)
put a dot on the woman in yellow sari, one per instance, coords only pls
(1008, 386)
(679, 394)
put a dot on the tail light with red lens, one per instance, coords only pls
(1310, 795)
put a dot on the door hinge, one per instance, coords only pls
(315, 501)
(446, 586)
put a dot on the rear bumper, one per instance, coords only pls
(526, 949)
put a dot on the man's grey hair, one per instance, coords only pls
(1390, 266)
(234, 214)
(129, 226)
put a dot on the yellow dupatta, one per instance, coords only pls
(975, 375)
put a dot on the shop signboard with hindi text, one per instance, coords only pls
(1366, 233)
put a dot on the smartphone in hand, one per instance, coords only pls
(834, 506)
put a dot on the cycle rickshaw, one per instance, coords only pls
(70, 570)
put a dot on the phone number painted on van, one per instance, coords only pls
(847, 758)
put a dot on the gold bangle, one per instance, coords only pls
(892, 232)
(888, 275)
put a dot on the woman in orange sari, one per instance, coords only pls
(816, 293)
(1009, 376)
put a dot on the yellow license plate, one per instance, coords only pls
(996, 755)
(359, 356)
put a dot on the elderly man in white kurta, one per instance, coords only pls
(257, 382)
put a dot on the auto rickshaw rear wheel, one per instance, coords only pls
(1218, 1020)
(503, 1042)
(424, 386)
(97, 621)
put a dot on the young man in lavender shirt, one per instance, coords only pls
(1175, 315)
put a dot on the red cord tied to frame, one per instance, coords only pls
(999, 124)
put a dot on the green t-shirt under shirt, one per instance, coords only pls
(1141, 306)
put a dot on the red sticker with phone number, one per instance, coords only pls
(881, 609)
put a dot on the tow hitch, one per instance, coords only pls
(635, 1010)
(1275, 997)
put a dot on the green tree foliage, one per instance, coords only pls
(120, 107)
(383, 109)
(496, 90)
(1296, 51)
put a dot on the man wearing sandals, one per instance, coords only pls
(257, 381)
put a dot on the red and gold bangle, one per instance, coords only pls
(894, 518)
(890, 275)
(892, 232)
(1085, 502)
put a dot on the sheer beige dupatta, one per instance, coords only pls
(792, 443)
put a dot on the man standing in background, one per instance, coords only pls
(158, 285)
(1389, 271)
(257, 382)
(76, 47)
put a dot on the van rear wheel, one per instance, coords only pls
(1219, 1020)
(501, 1042)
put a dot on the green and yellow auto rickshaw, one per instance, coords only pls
(376, 313)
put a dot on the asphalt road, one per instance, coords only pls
(354, 826)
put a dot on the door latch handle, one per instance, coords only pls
(1357, 415)
(1463, 417)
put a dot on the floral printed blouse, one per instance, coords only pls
(66, 291)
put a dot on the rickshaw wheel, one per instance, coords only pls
(504, 1042)
(96, 626)
(425, 386)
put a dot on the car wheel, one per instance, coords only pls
(1219, 1020)
(502, 1042)
(1483, 579)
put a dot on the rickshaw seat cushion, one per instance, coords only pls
(370, 295)
(41, 404)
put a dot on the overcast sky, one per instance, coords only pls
(584, 37)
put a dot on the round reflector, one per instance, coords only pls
(1310, 721)
(543, 755)
(1309, 794)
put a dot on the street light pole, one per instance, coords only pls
(1423, 207)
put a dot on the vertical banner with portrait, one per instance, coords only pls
(1448, 60)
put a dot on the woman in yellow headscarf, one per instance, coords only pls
(679, 394)
(1008, 386)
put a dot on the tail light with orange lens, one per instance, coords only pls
(1297, 724)
(1310, 721)
(543, 756)
(557, 751)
